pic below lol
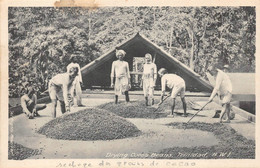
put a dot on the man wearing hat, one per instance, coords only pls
(226, 68)
(223, 88)
(120, 71)
(76, 91)
(149, 78)
(29, 103)
(177, 86)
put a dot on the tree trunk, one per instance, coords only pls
(192, 50)
(135, 18)
(171, 34)
(89, 28)
(154, 58)
(154, 15)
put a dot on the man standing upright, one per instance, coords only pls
(223, 88)
(176, 84)
(120, 71)
(149, 78)
(76, 90)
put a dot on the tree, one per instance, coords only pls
(42, 40)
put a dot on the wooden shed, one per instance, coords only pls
(97, 73)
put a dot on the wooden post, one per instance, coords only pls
(136, 70)
(154, 58)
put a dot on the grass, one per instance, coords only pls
(19, 152)
(89, 124)
(230, 142)
(137, 109)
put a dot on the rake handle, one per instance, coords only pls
(197, 112)
(161, 102)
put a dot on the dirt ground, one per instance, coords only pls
(156, 134)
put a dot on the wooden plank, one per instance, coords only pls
(244, 97)
(244, 114)
(135, 73)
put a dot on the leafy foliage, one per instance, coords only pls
(41, 40)
(41, 43)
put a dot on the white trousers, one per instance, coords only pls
(76, 92)
(148, 87)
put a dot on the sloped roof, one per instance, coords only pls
(95, 63)
(91, 66)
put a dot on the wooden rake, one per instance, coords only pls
(196, 114)
(158, 105)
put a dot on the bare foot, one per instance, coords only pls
(224, 121)
(184, 115)
(31, 116)
(36, 115)
(170, 116)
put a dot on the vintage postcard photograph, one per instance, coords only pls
(89, 84)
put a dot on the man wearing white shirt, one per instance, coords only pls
(76, 91)
(223, 88)
(59, 88)
(176, 84)
(120, 71)
(149, 78)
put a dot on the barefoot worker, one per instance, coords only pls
(223, 88)
(120, 71)
(149, 78)
(29, 103)
(176, 84)
(59, 88)
(76, 91)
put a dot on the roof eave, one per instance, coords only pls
(183, 66)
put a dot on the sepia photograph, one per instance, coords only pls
(172, 85)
